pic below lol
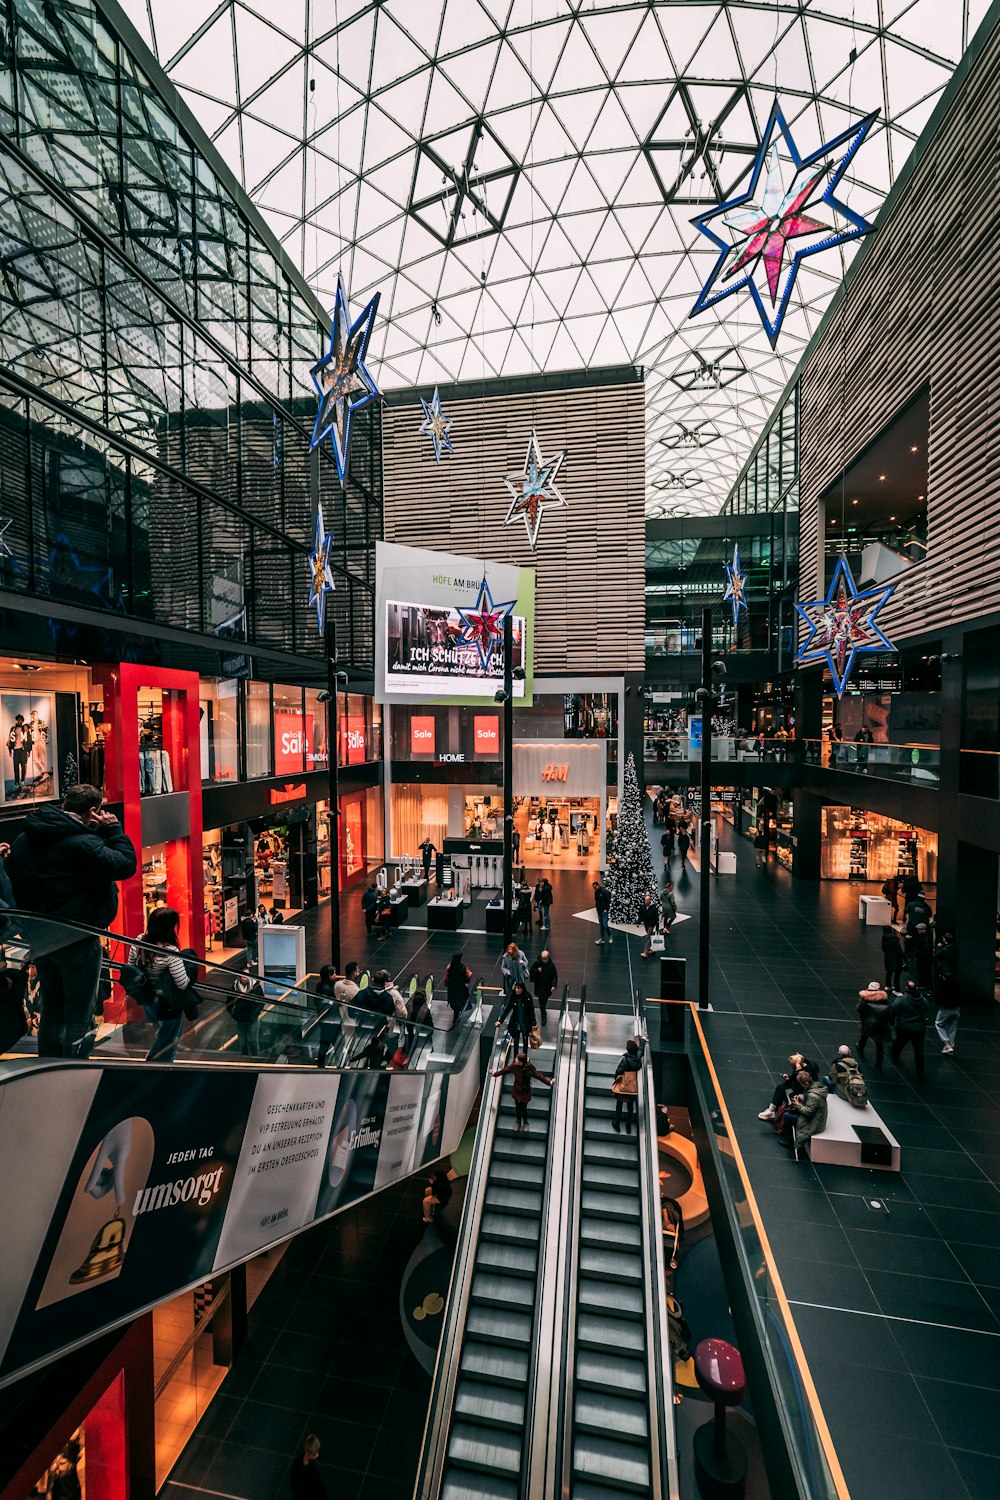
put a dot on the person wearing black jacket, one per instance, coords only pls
(683, 845)
(602, 904)
(920, 946)
(519, 1013)
(909, 1012)
(66, 866)
(246, 1005)
(873, 1012)
(892, 957)
(544, 976)
(629, 1067)
(543, 904)
(457, 977)
(369, 905)
(915, 913)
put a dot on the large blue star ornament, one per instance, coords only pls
(736, 586)
(482, 623)
(534, 490)
(319, 568)
(765, 233)
(842, 625)
(435, 425)
(343, 383)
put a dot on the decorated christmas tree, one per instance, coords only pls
(71, 774)
(631, 875)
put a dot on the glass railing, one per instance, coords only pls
(810, 1446)
(111, 998)
(916, 763)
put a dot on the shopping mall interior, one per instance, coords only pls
(500, 887)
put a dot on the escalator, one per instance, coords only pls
(611, 1396)
(486, 1442)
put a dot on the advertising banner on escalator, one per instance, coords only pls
(177, 1174)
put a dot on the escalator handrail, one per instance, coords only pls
(434, 1449)
(659, 1360)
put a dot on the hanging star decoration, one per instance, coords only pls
(435, 425)
(760, 225)
(320, 572)
(842, 625)
(533, 490)
(482, 623)
(736, 582)
(343, 383)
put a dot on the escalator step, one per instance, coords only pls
(490, 1449)
(588, 1489)
(502, 1325)
(493, 1288)
(604, 1145)
(514, 1147)
(505, 1198)
(611, 1415)
(612, 1462)
(603, 1331)
(498, 1406)
(459, 1486)
(611, 1175)
(491, 1362)
(595, 1232)
(614, 1297)
(612, 1265)
(600, 1104)
(601, 1371)
(515, 1259)
(527, 1174)
(608, 1205)
(503, 1227)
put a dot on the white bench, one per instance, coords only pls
(840, 1142)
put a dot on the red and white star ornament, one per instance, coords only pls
(482, 623)
(320, 572)
(534, 490)
(842, 626)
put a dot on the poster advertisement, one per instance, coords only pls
(425, 646)
(284, 1151)
(29, 747)
(352, 1155)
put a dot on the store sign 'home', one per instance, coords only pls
(555, 772)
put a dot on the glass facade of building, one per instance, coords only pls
(155, 400)
(770, 480)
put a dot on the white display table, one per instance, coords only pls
(874, 911)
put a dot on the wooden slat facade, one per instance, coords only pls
(923, 308)
(591, 555)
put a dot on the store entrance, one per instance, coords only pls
(559, 831)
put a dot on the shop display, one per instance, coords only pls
(30, 746)
(155, 776)
(860, 845)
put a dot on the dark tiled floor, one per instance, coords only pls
(898, 1308)
(326, 1354)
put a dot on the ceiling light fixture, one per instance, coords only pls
(881, 476)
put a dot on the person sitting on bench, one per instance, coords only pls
(806, 1113)
(784, 1088)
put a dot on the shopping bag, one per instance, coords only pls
(657, 943)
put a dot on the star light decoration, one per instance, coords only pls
(760, 223)
(435, 425)
(736, 581)
(343, 383)
(482, 623)
(319, 568)
(533, 490)
(842, 625)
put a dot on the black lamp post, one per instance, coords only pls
(336, 682)
(505, 695)
(708, 695)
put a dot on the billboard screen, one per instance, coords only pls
(439, 626)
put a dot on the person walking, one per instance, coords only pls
(369, 906)
(514, 967)
(683, 845)
(250, 933)
(668, 906)
(305, 1480)
(522, 911)
(667, 840)
(890, 891)
(515, 844)
(331, 1020)
(245, 1005)
(544, 976)
(893, 958)
(170, 981)
(909, 1012)
(602, 903)
(524, 1072)
(873, 1012)
(920, 948)
(66, 866)
(457, 978)
(428, 849)
(649, 916)
(625, 1084)
(760, 845)
(543, 904)
(519, 1013)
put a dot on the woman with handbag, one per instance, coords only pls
(519, 1013)
(164, 990)
(625, 1084)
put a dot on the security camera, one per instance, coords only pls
(323, 697)
(499, 696)
(518, 674)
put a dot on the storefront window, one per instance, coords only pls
(316, 756)
(219, 701)
(354, 729)
(258, 727)
(51, 730)
(292, 744)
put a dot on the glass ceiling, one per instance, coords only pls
(518, 177)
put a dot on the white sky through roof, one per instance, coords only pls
(530, 169)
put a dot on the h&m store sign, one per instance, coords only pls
(573, 768)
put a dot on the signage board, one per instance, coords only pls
(422, 734)
(486, 731)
